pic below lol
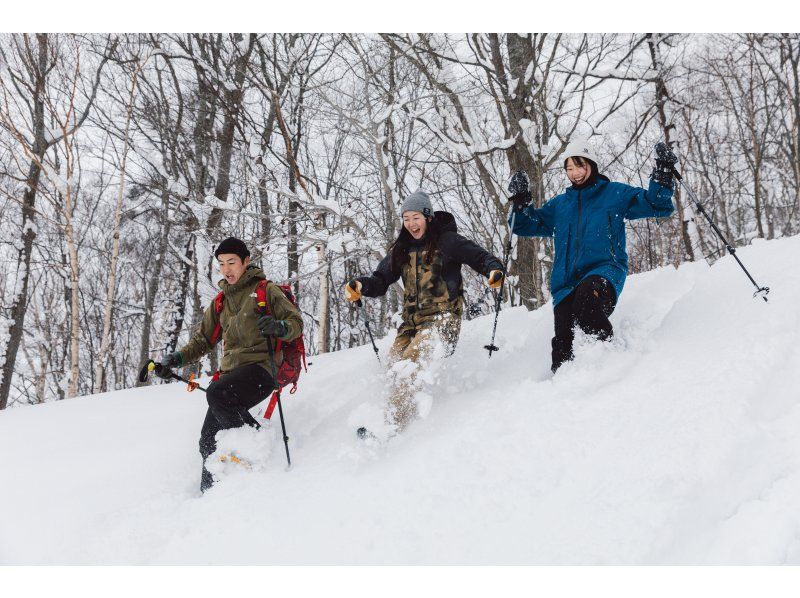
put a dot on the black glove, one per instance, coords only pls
(518, 188)
(173, 360)
(665, 161)
(269, 326)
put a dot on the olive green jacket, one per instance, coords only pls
(243, 343)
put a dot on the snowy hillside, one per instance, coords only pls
(679, 442)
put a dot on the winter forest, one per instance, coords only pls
(124, 159)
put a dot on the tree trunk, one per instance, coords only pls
(757, 160)
(105, 338)
(794, 60)
(183, 293)
(662, 96)
(75, 308)
(323, 312)
(518, 105)
(231, 105)
(155, 274)
(202, 136)
(19, 307)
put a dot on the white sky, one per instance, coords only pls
(397, 15)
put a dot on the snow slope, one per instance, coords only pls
(678, 442)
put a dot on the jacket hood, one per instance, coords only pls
(445, 221)
(252, 272)
(599, 178)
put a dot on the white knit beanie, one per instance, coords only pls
(579, 147)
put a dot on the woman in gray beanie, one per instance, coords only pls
(428, 254)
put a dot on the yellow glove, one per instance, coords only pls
(352, 291)
(495, 279)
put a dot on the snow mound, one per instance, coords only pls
(675, 443)
(240, 451)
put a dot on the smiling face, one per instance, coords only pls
(415, 223)
(578, 170)
(232, 267)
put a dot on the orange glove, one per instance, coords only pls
(495, 279)
(352, 291)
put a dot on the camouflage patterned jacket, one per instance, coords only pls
(435, 288)
(243, 343)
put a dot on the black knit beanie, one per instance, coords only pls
(232, 245)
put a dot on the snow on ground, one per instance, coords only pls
(676, 443)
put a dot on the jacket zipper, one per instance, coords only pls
(577, 237)
(416, 276)
(611, 240)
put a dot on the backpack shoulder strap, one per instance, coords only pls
(218, 303)
(263, 306)
(261, 297)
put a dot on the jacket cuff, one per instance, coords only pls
(366, 285)
(285, 335)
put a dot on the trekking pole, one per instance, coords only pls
(498, 299)
(762, 291)
(152, 366)
(278, 397)
(360, 304)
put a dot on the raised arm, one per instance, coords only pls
(653, 202)
(656, 201)
(533, 222)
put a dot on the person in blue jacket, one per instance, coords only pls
(587, 223)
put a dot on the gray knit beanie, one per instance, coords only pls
(417, 202)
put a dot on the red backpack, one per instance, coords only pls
(294, 352)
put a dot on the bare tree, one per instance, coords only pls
(41, 87)
(105, 338)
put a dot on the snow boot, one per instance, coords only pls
(206, 480)
(236, 459)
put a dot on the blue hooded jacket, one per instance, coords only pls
(588, 228)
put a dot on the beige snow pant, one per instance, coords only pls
(416, 347)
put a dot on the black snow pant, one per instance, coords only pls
(588, 306)
(229, 399)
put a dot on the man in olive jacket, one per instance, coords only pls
(246, 368)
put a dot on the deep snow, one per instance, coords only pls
(678, 442)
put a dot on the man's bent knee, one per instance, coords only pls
(207, 446)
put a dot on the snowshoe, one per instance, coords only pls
(236, 459)
(364, 434)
